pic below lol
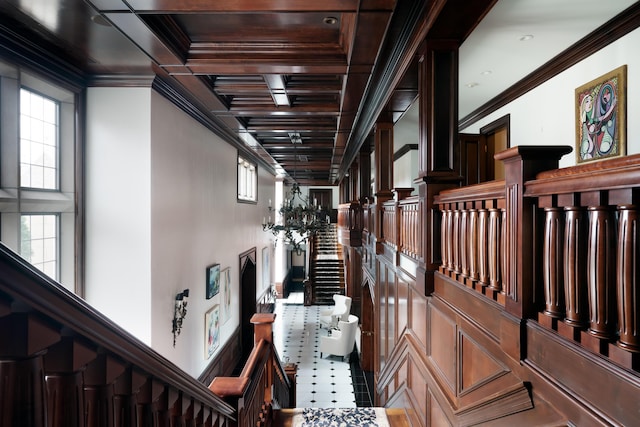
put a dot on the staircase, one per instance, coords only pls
(327, 267)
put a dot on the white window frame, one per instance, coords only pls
(16, 200)
(247, 180)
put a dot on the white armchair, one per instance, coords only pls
(340, 311)
(340, 342)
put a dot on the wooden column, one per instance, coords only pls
(384, 173)
(438, 136)
(522, 164)
(627, 280)
(364, 173)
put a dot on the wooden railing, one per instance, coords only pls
(263, 384)
(350, 224)
(473, 236)
(590, 252)
(410, 227)
(64, 364)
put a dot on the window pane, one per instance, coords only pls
(39, 242)
(38, 141)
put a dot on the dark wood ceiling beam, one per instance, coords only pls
(174, 6)
(281, 128)
(301, 147)
(312, 110)
(239, 66)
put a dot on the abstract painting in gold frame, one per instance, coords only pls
(601, 119)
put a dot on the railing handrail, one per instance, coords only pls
(609, 174)
(483, 191)
(23, 282)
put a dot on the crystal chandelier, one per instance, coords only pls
(299, 219)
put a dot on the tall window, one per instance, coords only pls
(247, 180)
(37, 172)
(39, 242)
(38, 141)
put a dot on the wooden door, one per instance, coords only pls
(247, 301)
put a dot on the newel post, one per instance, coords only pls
(263, 327)
(522, 164)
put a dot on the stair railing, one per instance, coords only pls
(62, 363)
(263, 384)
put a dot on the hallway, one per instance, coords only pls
(326, 382)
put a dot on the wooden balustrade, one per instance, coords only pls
(590, 252)
(390, 224)
(472, 236)
(263, 384)
(64, 364)
(410, 227)
(350, 224)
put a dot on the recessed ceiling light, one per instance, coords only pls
(472, 84)
(330, 20)
(486, 72)
(526, 37)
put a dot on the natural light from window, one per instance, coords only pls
(38, 141)
(39, 242)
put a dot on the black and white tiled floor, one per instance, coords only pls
(326, 382)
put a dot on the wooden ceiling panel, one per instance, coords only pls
(261, 73)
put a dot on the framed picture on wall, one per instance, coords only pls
(266, 268)
(225, 279)
(601, 120)
(213, 281)
(211, 330)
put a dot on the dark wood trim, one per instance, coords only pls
(79, 177)
(210, 122)
(404, 150)
(502, 122)
(225, 361)
(39, 57)
(617, 27)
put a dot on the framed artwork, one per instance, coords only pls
(266, 268)
(213, 280)
(225, 277)
(211, 330)
(601, 121)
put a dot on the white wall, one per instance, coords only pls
(166, 188)
(546, 115)
(118, 281)
(196, 222)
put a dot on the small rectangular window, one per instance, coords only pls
(247, 180)
(39, 242)
(39, 123)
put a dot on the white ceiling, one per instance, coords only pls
(493, 57)
(495, 46)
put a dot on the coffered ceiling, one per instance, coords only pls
(298, 83)
(284, 79)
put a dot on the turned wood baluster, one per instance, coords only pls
(503, 250)
(443, 238)
(483, 246)
(494, 249)
(473, 244)
(575, 271)
(456, 240)
(449, 239)
(22, 392)
(601, 272)
(627, 281)
(464, 242)
(552, 261)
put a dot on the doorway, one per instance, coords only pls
(247, 301)
(477, 150)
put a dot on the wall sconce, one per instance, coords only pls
(179, 313)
